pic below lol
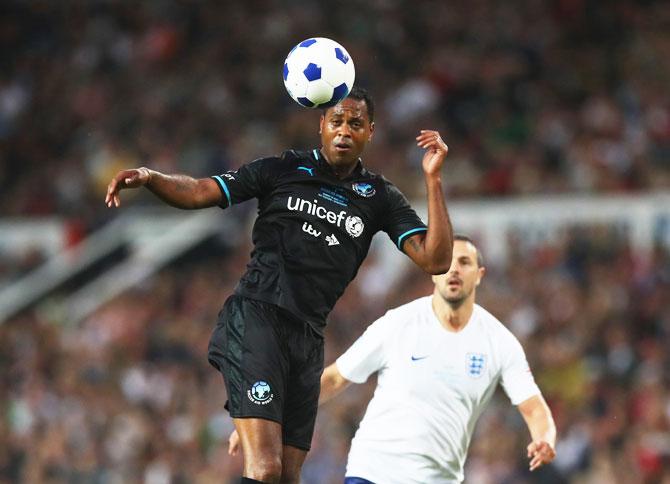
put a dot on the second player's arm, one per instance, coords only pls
(181, 191)
(432, 249)
(540, 422)
(332, 383)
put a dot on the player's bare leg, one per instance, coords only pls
(292, 464)
(262, 448)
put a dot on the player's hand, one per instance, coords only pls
(125, 179)
(540, 453)
(233, 443)
(436, 151)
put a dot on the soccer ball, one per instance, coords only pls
(318, 73)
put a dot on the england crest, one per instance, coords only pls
(475, 364)
(363, 189)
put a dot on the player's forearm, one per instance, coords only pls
(332, 383)
(439, 240)
(541, 423)
(180, 191)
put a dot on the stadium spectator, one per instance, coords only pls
(132, 378)
(552, 98)
(540, 97)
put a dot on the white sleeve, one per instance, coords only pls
(368, 353)
(517, 379)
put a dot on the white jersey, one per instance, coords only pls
(432, 386)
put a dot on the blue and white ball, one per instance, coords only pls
(318, 73)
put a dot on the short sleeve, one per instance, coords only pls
(401, 219)
(517, 379)
(249, 181)
(368, 353)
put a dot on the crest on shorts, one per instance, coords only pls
(260, 393)
(364, 189)
(475, 364)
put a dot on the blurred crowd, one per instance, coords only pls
(128, 396)
(532, 96)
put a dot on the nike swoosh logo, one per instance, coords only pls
(416, 358)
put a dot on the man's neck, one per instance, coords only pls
(340, 170)
(343, 172)
(453, 318)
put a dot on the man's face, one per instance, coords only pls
(464, 275)
(345, 130)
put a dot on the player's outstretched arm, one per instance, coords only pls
(432, 250)
(540, 422)
(332, 383)
(180, 191)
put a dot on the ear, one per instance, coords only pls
(480, 274)
(372, 130)
(321, 121)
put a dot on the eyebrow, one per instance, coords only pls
(352, 118)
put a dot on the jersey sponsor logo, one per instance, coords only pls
(475, 364)
(353, 224)
(308, 170)
(260, 393)
(307, 227)
(364, 189)
(332, 240)
(417, 358)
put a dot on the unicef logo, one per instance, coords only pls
(260, 393)
(354, 225)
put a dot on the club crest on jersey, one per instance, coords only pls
(475, 364)
(260, 393)
(363, 189)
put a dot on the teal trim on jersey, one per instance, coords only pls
(316, 154)
(409, 232)
(224, 187)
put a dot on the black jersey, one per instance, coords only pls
(313, 229)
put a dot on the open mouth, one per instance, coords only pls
(342, 146)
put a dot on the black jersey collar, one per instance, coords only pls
(320, 161)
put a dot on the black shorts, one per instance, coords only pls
(271, 364)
